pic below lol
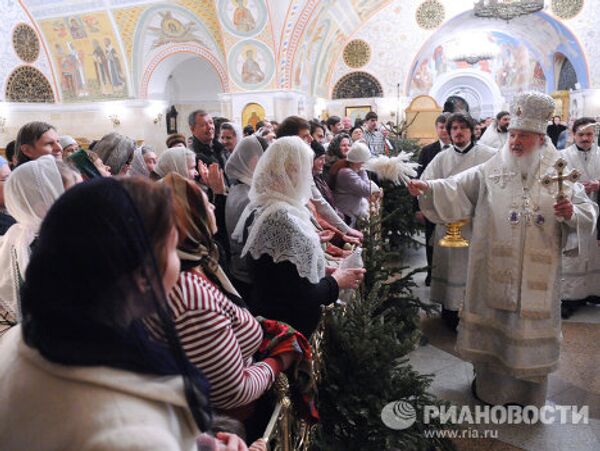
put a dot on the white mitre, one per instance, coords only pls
(531, 111)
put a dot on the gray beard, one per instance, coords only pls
(527, 164)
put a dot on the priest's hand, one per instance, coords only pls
(417, 187)
(564, 209)
(591, 186)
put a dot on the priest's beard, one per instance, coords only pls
(528, 164)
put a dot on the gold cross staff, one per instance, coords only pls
(560, 177)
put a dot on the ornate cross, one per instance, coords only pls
(502, 176)
(560, 177)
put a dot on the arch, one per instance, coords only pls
(357, 85)
(563, 41)
(567, 76)
(175, 54)
(143, 60)
(478, 88)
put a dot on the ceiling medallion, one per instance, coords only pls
(357, 53)
(567, 9)
(430, 14)
(27, 84)
(26, 43)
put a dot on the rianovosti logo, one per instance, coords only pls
(400, 415)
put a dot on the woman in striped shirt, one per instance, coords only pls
(218, 334)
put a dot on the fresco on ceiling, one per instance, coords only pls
(251, 64)
(308, 52)
(364, 8)
(243, 17)
(172, 29)
(514, 67)
(88, 61)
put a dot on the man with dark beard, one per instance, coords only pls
(497, 133)
(510, 323)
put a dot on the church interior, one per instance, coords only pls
(149, 71)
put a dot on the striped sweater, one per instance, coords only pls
(219, 338)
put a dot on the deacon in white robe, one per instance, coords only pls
(581, 274)
(496, 134)
(449, 275)
(510, 324)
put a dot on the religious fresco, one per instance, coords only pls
(515, 67)
(364, 8)
(172, 29)
(251, 64)
(243, 17)
(252, 114)
(87, 58)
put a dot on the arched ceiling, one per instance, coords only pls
(301, 39)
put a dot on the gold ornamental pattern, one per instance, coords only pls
(27, 84)
(26, 43)
(357, 53)
(430, 14)
(567, 9)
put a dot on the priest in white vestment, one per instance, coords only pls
(448, 274)
(496, 135)
(581, 274)
(510, 323)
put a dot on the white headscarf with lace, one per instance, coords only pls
(282, 227)
(29, 193)
(174, 160)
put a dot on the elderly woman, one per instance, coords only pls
(83, 339)
(239, 169)
(144, 162)
(6, 220)
(179, 160)
(29, 193)
(351, 185)
(285, 254)
(218, 334)
(116, 151)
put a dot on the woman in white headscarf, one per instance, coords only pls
(239, 169)
(179, 160)
(29, 193)
(285, 254)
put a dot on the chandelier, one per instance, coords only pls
(472, 48)
(506, 9)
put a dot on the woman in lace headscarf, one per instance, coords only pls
(29, 193)
(239, 169)
(179, 160)
(285, 254)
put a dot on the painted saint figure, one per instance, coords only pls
(243, 20)
(77, 30)
(100, 65)
(251, 71)
(114, 65)
(79, 75)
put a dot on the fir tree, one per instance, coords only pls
(364, 355)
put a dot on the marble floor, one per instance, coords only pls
(576, 382)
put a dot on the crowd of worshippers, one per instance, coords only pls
(470, 143)
(151, 295)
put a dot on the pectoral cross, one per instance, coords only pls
(560, 177)
(502, 176)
